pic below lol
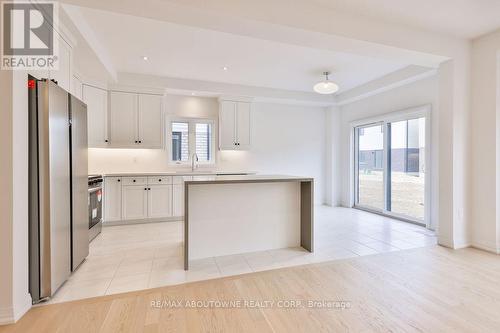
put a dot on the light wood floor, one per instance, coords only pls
(429, 289)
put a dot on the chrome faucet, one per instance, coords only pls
(194, 162)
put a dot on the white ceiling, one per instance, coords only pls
(193, 53)
(460, 18)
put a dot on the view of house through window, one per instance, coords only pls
(203, 141)
(407, 176)
(390, 167)
(192, 136)
(180, 141)
(371, 166)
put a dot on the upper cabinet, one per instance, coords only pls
(150, 121)
(77, 87)
(123, 119)
(135, 120)
(63, 75)
(97, 115)
(234, 125)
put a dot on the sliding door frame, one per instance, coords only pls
(385, 120)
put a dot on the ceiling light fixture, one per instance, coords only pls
(326, 87)
(192, 94)
(145, 58)
(225, 68)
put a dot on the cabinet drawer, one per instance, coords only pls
(160, 180)
(134, 180)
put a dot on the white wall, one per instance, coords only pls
(6, 202)
(14, 297)
(486, 143)
(419, 93)
(286, 139)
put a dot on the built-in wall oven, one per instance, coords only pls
(95, 205)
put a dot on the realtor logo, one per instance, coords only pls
(28, 38)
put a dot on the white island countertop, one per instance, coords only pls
(248, 178)
(178, 173)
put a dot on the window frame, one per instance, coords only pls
(191, 139)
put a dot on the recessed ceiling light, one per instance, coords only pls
(145, 58)
(225, 68)
(192, 94)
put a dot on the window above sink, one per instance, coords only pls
(187, 136)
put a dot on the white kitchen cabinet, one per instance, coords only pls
(227, 130)
(63, 73)
(97, 115)
(112, 199)
(234, 125)
(150, 121)
(123, 119)
(134, 202)
(178, 200)
(243, 125)
(77, 87)
(136, 120)
(159, 201)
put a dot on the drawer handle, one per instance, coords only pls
(159, 180)
(118, 180)
(133, 180)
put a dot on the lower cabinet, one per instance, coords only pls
(178, 199)
(112, 199)
(134, 202)
(129, 198)
(159, 201)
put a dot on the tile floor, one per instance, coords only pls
(141, 256)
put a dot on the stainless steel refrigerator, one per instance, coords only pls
(58, 190)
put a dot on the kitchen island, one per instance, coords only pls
(226, 215)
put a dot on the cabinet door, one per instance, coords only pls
(227, 121)
(123, 119)
(159, 201)
(178, 200)
(63, 74)
(134, 202)
(150, 121)
(77, 87)
(243, 125)
(97, 115)
(112, 199)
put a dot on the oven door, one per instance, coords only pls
(95, 206)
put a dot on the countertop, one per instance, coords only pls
(214, 179)
(178, 173)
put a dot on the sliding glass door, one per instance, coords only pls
(390, 167)
(407, 168)
(370, 166)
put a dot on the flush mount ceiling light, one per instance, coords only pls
(224, 68)
(326, 87)
(145, 58)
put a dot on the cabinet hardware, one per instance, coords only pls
(106, 140)
(140, 141)
(159, 180)
(119, 180)
(145, 189)
(133, 180)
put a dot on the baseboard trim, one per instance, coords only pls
(449, 243)
(142, 221)
(486, 247)
(10, 315)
